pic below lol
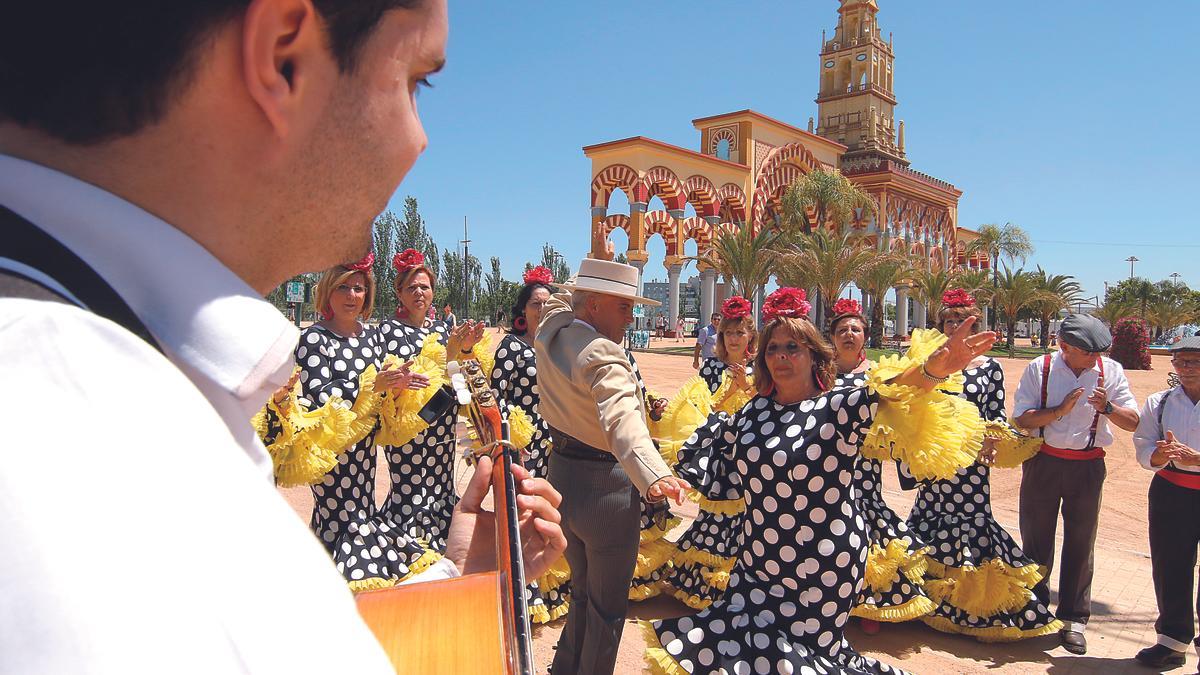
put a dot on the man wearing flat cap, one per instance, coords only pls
(1070, 398)
(1168, 443)
(603, 459)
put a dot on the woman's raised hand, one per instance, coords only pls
(960, 350)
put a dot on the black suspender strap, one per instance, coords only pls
(27, 244)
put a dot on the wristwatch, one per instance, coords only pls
(1108, 408)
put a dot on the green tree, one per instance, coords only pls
(1114, 310)
(555, 262)
(386, 235)
(976, 282)
(459, 283)
(997, 241)
(1058, 292)
(888, 271)
(825, 261)
(929, 285)
(745, 258)
(822, 198)
(1017, 291)
(411, 233)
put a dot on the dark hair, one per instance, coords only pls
(746, 322)
(518, 308)
(833, 323)
(109, 69)
(961, 314)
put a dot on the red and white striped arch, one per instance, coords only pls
(702, 195)
(662, 224)
(663, 183)
(700, 231)
(616, 221)
(610, 178)
(732, 203)
(769, 191)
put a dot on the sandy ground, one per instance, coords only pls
(1123, 607)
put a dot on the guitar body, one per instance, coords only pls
(441, 627)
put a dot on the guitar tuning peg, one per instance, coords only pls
(458, 381)
(464, 397)
(452, 368)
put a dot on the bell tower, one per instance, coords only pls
(856, 105)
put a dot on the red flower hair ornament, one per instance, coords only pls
(957, 297)
(736, 307)
(363, 265)
(408, 259)
(847, 307)
(539, 275)
(786, 302)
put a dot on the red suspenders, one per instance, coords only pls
(1088, 451)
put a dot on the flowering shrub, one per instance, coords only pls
(1131, 340)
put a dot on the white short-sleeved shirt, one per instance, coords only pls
(139, 529)
(1181, 416)
(707, 339)
(1073, 430)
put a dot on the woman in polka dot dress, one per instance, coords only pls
(333, 355)
(790, 455)
(979, 576)
(706, 552)
(896, 560)
(423, 495)
(514, 377)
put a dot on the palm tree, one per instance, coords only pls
(743, 257)
(1115, 310)
(1168, 312)
(996, 241)
(825, 261)
(1059, 291)
(1016, 292)
(1142, 292)
(976, 282)
(888, 271)
(928, 287)
(831, 198)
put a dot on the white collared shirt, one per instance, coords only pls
(140, 530)
(1181, 416)
(1073, 430)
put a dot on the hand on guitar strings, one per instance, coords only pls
(471, 543)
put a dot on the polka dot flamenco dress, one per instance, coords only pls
(370, 551)
(803, 545)
(711, 370)
(514, 378)
(423, 494)
(896, 561)
(979, 576)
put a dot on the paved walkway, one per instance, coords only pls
(1123, 595)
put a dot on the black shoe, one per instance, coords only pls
(1160, 656)
(1073, 641)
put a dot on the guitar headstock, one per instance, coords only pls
(473, 390)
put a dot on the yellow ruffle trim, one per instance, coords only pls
(1012, 447)
(658, 661)
(558, 574)
(539, 614)
(885, 565)
(309, 441)
(1029, 575)
(652, 556)
(934, 433)
(728, 400)
(695, 556)
(983, 591)
(484, 353)
(693, 601)
(992, 633)
(911, 609)
(520, 427)
(724, 507)
(688, 409)
(427, 560)
(399, 422)
(654, 533)
(646, 591)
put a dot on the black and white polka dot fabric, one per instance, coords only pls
(363, 545)
(904, 600)
(955, 518)
(423, 495)
(803, 545)
(514, 377)
(713, 369)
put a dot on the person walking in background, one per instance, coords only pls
(1068, 472)
(706, 341)
(1168, 443)
(448, 316)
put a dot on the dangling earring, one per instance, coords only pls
(818, 378)
(519, 324)
(401, 312)
(326, 312)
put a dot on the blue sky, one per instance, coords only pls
(1076, 121)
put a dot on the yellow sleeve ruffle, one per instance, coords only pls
(309, 441)
(935, 433)
(1012, 447)
(729, 400)
(399, 422)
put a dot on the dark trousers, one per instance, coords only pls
(601, 512)
(1048, 485)
(1174, 537)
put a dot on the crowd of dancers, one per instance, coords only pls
(784, 438)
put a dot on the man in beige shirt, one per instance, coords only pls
(603, 457)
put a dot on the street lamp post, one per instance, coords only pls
(1131, 260)
(1175, 277)
(466, 241)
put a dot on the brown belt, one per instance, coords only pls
(573, 448)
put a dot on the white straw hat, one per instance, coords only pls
(609, 278)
